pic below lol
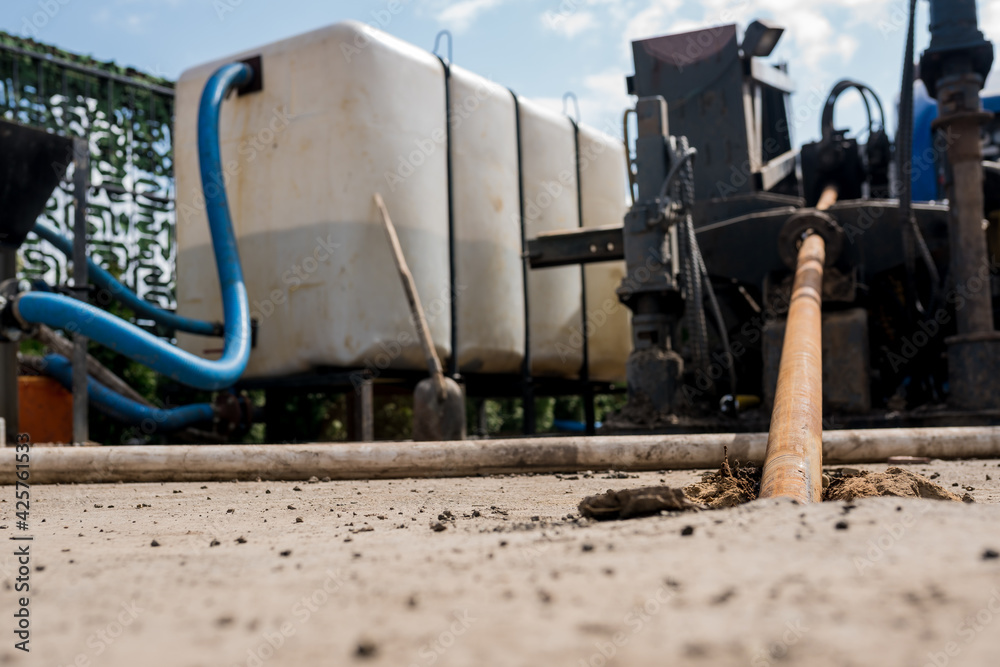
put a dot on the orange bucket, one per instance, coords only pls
(45, 410)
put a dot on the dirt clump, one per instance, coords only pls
(892, 482)
(727, 486)
(630, 503)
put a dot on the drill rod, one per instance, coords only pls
(793, 463)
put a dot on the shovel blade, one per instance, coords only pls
(435, 418)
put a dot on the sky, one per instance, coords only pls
(540, 48)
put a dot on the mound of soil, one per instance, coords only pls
(734, 485)
(727, 486)
(631, 503)
(892, 482)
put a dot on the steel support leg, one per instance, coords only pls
(81, 181)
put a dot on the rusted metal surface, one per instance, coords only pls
(968, 234)
(810, 221)
(81, 178)
(829, 197)
(793, 464)
(974, 353)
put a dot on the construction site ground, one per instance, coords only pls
(490, 571)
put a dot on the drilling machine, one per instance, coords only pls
(723, 205)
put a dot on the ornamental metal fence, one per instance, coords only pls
(126, 117)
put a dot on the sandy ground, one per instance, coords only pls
(345, 573)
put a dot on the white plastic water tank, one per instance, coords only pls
(603, 184)
(489, 281)
(345, 111)
(548, 164)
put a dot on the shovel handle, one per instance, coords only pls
(410, 287)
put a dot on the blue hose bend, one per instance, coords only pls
(65, 313)
(126, 410)
(142, 308)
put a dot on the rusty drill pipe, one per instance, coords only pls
(967, 236)
(831, 193)
(793, 462)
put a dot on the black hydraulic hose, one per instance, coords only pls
(682, 158)
(912, 235)
(698, 328)
(696, 314)
(720, 321)
(693, 264)
(826, 122)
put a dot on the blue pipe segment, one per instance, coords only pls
(125, 409)
(571, 426)
(65, 313)
(927, 155)
(142, 308)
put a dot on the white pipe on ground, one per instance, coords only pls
(202, 463)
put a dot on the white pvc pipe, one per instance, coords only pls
(202, 463)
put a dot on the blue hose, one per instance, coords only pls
(65, 313)
(571, 426)
(142, 308)
(126, 410)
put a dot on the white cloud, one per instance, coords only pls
(816, 38)
(123, 14)
(808, 25)
(654, 20)
(460, 15)
(603, 100)
(989, 21)
(569, 24)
